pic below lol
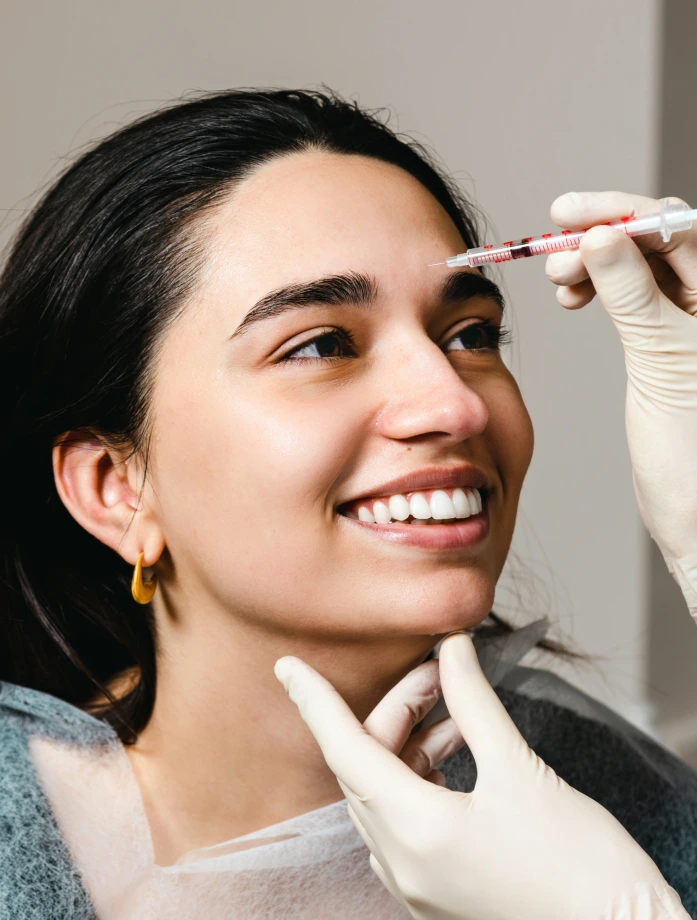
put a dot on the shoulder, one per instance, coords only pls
(37, 876)
(598, 750)
(649, 790)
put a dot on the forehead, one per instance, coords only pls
(315, 213)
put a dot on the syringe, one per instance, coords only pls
(673, 216)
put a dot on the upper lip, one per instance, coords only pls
(432, 477)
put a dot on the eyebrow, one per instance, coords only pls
(358, 290)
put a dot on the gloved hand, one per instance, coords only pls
(652, 300)
(523, 845)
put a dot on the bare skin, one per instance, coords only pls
(251, 457)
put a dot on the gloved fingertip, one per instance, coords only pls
(462, 646)
(561, 265)
(455, 632)
(602, 245)
(566, 209)
(283, 671)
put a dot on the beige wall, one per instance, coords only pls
(523, 101)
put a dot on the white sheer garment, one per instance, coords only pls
(313, 865)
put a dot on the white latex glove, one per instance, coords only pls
(652, 300)
(523, 845)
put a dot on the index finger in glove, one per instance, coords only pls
(492, 736)
(367, 771)
(580, 210)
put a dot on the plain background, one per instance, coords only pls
(521, 102)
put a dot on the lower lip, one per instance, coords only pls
(459, 534)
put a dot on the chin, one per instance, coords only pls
(460, 603)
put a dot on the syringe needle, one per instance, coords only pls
(435, 263)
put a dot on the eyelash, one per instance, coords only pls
(498, 335)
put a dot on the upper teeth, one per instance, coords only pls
(442, 506)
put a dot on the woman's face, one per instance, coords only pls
(265, 430)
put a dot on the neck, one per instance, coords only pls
(226, 752)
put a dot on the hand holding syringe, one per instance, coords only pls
(671, 217)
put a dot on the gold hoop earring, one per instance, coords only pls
(143, 592)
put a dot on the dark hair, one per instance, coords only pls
(96, 274)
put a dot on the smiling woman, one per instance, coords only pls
(223, 360)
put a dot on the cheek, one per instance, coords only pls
(511, 435)
(291, 451)
(244, 478)
(245, 460)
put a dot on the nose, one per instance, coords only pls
(427, 398)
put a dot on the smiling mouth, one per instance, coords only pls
(423, 508)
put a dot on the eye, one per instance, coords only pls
(338, 343)
(330, 345)
(484, 336)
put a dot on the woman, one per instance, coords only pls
(222, 356)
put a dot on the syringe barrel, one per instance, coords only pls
(520, 249)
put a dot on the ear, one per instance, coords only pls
(100, 488)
